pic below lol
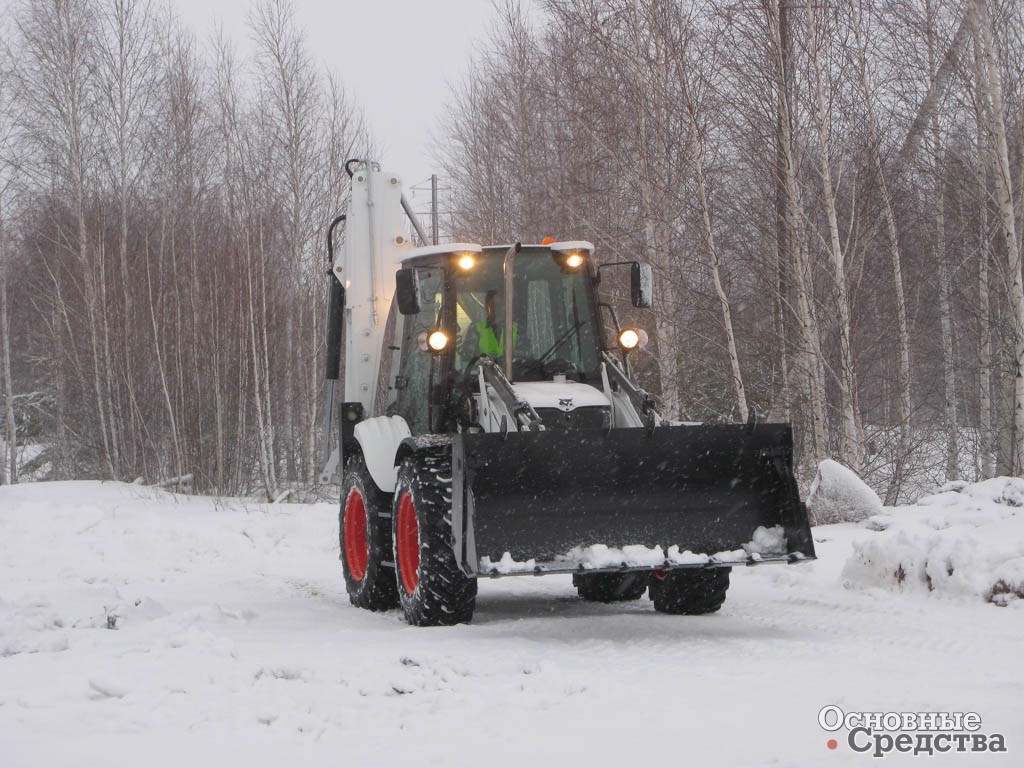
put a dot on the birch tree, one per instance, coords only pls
(777, 27)
(942, 263)
(991, 88)
(986, 439)
(849, 432)
(54, 76)
(904, 399)
(288, 83)
(9, 437)
(696, 143)
(127, 73)
(9, 440)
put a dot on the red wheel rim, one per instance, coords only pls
(356, 551)
(660, 574)
(407, 541)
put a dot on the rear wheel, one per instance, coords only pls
(432, 588)
(691, 592)
(365, 538)
(610, 587)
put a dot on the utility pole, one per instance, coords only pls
(433, 208)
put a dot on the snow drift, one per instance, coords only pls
(839, 496)
(965, 540)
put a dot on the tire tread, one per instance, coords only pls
(444, 595)
(378, 590)
(690, 592)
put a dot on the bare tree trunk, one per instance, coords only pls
(988, 76)
(1019, 201)
(712, 256)
(810, 345)
(903, 399)
(985, 434)
(218, 395)
(850, 443)
(6, 372)
(315, 377)
(57, 83)
(653, 211)
(177, 453)
(74, 129)
(224, 75)
(108, 366)
(261, 389)
(665, 327)
(945, 304)
(948, 351)
(126, 71)
(783, 234)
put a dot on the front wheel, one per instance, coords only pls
(688, 591)
(432, 588)
(610, 587)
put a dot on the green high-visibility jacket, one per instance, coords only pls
(490, 343)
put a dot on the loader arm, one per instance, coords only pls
(520, 414)
(643, 403)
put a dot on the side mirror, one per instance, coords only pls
(641, 285)
(407, 291)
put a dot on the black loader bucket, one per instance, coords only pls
(623, 499)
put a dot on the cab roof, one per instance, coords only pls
(442, 248)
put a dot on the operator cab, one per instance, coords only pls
(554, 322)
(454, 303)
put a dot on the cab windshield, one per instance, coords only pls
(554, 327)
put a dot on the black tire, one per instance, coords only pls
(432, 589)
(691, 592)
(611, 587)
(366, 549)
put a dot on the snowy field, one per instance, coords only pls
(140, 628)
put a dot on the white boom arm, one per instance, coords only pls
(375, 241)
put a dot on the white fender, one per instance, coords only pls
(380, 438)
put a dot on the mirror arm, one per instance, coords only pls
(597, 276)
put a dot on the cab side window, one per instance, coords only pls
(412, 384)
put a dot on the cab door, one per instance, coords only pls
(419, 370)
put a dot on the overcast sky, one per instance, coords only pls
(396, 59)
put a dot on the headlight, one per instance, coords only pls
(437, 341)
(633, 338)
(573, 261)
(466, 262)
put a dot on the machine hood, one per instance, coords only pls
(562, 395)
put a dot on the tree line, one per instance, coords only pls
(162, 270)
(830, 193)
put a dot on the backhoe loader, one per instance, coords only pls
(490, 428)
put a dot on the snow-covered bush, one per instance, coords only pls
(966, 540)
(839, 496)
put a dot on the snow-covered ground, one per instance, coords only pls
(140, 628)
